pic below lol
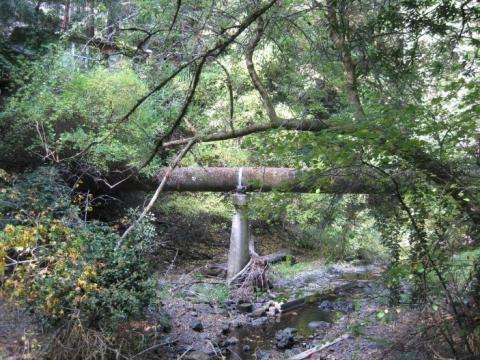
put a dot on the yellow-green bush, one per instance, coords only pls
(65, 269)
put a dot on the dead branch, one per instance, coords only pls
(318, 348)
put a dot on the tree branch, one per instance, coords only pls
(290, 124)
(160, 187)
(230, 92)
(267, 102)
(174, 20)
(214, 51)
(180, 116)
(338, 36)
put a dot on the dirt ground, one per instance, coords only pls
(20, 337)
(401, 334)
(205, 324)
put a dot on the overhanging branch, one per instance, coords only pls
(291, 124)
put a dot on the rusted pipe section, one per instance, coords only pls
(221, 179)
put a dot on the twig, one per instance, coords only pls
(318, 348)
(170, 267)
(152, 348)
(184, 353)
(240, 273)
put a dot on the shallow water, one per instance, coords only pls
(298, 314)
(263, 338)
(353, 276)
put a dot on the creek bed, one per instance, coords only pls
(263, 338)
(297, 314)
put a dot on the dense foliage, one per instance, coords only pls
(64, 268)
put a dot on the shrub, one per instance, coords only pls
(64, 269)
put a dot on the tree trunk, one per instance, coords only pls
(219, 179)
(113, 17)
(66, 16)
(90, 21)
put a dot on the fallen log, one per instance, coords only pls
(220, 179)
(278, 256)
(353, 180)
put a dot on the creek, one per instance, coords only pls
(263, 338)
(309, 315)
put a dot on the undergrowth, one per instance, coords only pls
(69, 272)
(287, 269)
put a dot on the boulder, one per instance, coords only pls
(260, 321)
(285, 338)
(197, 326)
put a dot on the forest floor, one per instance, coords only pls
(19, 334)
(346, 302)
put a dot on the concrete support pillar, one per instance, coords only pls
(238, 255)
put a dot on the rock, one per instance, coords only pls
(204, 309)
(197, 326)
(205, 348)
(197, 355)
(285, 338)
(343, 306)
(230, 305)
(260, 321)
(272, 311)
(259, 310)
(246, 348)
(292, 352)
(368, 289)
(319, 325)
(258, 313)
(326, 305)
(263, 355)
(231, 341)
(222, 312)
(333, 271)
(237, 323)
(263, 298)
(245, 307)
(225, 329)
